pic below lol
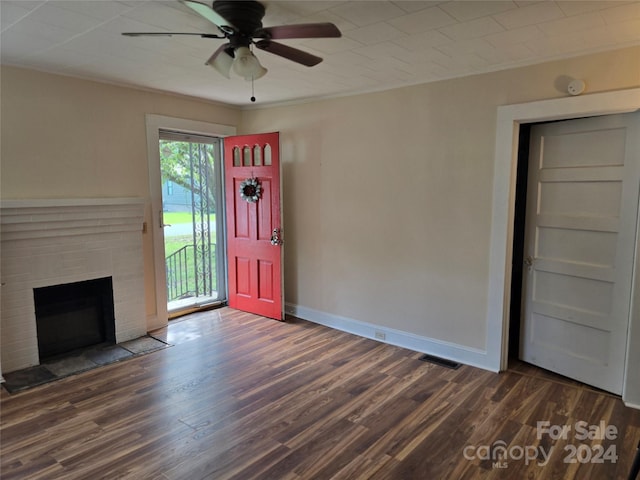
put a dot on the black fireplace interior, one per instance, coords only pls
(74, 316)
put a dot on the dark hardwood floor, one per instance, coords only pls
(242, 397)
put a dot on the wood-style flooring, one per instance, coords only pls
(243, 397)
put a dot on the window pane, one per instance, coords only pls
(267, 155)
(257, 156)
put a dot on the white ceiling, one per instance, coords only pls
(385, 44)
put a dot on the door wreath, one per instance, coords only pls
(250, 190)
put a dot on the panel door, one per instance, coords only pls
(254, 236)
(582, 204)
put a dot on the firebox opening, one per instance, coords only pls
(74, 315)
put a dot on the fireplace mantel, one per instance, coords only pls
(68, 202)
(48, 242)
(40, 218)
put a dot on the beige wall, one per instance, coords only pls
(69, 138)
(387, 196)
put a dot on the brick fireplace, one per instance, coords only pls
(46, 243)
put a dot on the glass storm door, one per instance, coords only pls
(192, 221)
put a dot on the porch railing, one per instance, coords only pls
(189, 275)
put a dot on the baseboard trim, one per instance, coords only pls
(450, 351)
(153, 323)
(631, 405)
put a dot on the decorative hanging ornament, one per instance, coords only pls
(250, 190)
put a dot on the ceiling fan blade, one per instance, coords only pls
(301, 30)
(170, 34)
(210, 14)
(288, 52)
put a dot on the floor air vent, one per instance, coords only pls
(443, 362)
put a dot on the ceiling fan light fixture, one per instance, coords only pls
(258, 73)
(222, 63)
(247, 65)
(240, 22)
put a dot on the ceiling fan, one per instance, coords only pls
(240, 22)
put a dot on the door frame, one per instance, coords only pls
(155, 123)
(509, 119)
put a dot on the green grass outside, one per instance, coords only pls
(173, 244)
(175, 218)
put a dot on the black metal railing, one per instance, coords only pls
(190, 275)
(178, 266)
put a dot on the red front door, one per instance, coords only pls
(252, 187)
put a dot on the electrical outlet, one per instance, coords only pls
(380, 335)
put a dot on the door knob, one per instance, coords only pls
(275, 237)
(528, 261)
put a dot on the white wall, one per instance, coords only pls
(388, 201)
